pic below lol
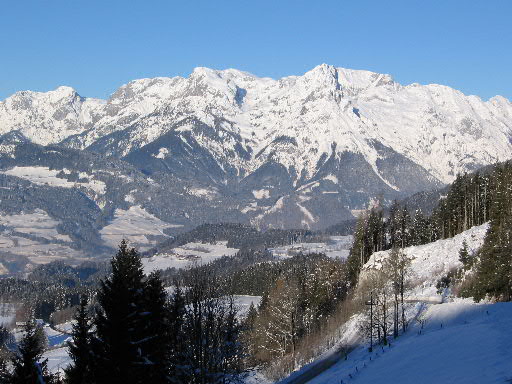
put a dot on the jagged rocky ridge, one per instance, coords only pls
(301, 151)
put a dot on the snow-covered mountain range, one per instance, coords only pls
(296, 121)
(301, 151)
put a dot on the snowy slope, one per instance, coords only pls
(462, 342)
(432, 261)
(188, 255)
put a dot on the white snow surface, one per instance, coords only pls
(461, 342)
(437, 127)
(188, 255)
(134, 225)
(44, 176)
(58, 359)
(39, 224)
(432, 261)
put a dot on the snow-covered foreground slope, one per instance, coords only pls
(462, 342)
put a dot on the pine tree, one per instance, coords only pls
(81, 369)
(26, 365)
(177, 339)
(119, 326)
(464, 256)
(158, 328)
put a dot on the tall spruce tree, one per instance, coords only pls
(177, 339)
(81, 369)
(158, 331)
(119, 338)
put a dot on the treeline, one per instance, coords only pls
(300, 294)
(238, 236)
(224, 267)
(493, 266)
(466, 204)
(50, 288)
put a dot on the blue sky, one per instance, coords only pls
(96, 46)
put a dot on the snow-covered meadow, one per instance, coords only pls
(188, 255)
(335, 247)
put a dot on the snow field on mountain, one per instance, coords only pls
(37, 223)
(188, 255)
(135, 225)
(23, 233)
(46, 176)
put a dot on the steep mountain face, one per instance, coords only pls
(301, 151)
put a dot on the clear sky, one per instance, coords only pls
(96, 46)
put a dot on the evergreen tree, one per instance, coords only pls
(178, 341)
(158, 326)
(464, 256)
(119, 357)
(81, 369)
(26, 365)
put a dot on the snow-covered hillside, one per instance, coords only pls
(432, 261)
(461, 342)
(188, 255)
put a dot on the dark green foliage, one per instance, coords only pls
(157, 330)
(82, 365)
(493, 269)
(214, 354)
(238, 236)
(178, 341)
(26, 365)
(119, 325)
(52, 287)
(465, 258)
